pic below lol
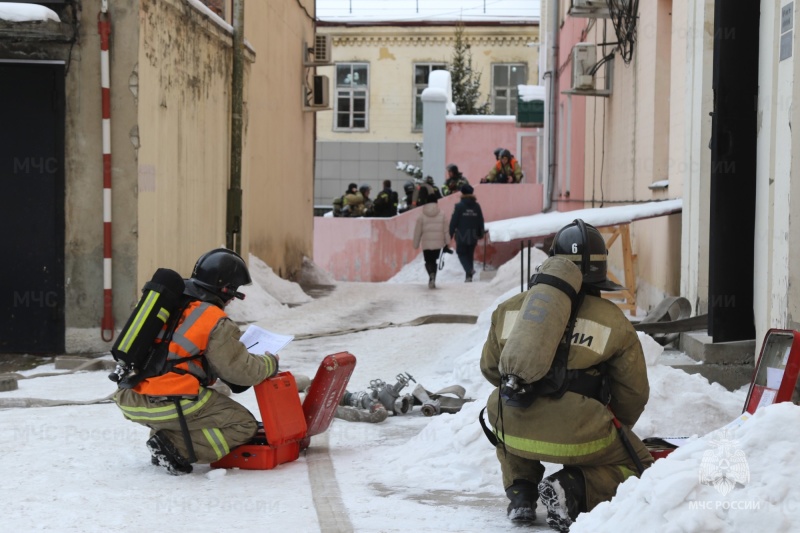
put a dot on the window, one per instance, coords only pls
(422, 72)
(352, 91)
(505, 78)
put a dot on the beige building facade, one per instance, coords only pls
(703, 112)
(169, 136)
(378, 75)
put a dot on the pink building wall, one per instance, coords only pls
(375, 249)
(569, 192)
(471, 144)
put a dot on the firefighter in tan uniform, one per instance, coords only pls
(204, 347)
(606, 365)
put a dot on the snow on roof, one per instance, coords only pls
(545, 224)
(528, 93)
(514, 11)
(16, 12)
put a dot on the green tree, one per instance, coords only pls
(464, 80)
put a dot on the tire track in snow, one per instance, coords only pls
(331, 512)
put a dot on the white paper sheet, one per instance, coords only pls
(259, 340)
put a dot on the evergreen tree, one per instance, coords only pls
(465, 81)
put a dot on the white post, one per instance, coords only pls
(434, 110)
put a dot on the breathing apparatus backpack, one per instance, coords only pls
(142, 345)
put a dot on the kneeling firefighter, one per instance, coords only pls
(168, 392)
(570, 380)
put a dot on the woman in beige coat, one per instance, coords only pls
(430, 231)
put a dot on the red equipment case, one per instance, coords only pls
(281, 411)
(284, 425)
(288, 425)
(326, 391)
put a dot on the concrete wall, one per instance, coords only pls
(279, 194)
(695, 20)
(625, 146)
(776, 302)
(377, 248)
(170, 143)
(84, 176)
(184, 75)
(339, 163)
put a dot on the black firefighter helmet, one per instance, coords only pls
(582, 244)
(221, 272)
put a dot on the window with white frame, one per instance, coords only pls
(505, 79)
(352, 97)
(422, 72)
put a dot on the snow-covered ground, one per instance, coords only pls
(85, 468)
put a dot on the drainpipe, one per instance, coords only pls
(552, 102)
(233, 225)
(104, 29)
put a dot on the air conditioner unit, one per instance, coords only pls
(589, 9)
(584, 58)
(590, 4)
(317, 96)
(320, 51)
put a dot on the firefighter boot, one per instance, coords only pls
(165, 454)
(563, 493)
(523, 495)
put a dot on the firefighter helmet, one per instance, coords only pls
(221, 272)
(582, 244)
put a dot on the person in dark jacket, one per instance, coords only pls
(466, 226)
(408, 199)
(385, 204)
(455, 180)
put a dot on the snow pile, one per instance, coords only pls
(286, 292)
(17, 12)
(311, 274)
(267, 293)
(736, 479)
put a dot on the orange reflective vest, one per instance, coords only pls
(189, 340)
(511, 163)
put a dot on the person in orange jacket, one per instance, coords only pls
(506, 170)
(189, 421)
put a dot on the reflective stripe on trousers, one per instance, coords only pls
(554, 449)
(168, 411)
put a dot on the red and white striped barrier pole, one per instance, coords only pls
(104, 28)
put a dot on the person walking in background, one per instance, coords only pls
(466, 226)
(385, 204)
(430, 231)
(455, 180)
(506, 170)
